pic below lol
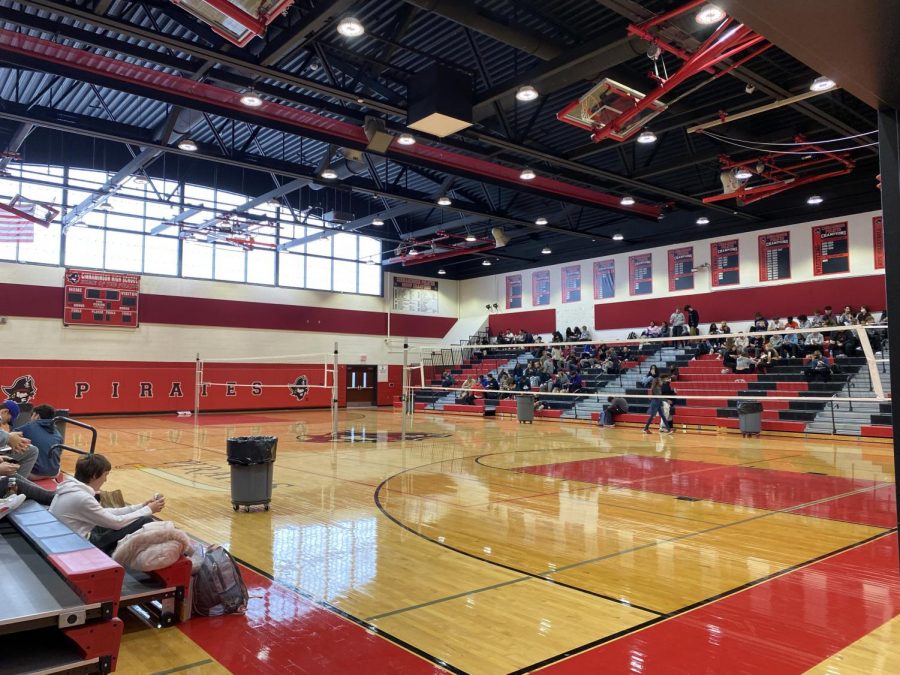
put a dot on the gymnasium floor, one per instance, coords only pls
(484, 546)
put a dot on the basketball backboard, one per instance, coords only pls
(238, 21)
(606, 102)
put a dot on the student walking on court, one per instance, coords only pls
(656, 390)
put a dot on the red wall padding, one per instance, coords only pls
(47, 302)
(775, 300)
(535, 321)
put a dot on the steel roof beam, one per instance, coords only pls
(15, 142)
(295, 37)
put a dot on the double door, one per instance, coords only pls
(362, 386)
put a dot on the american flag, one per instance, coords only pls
(16, 228)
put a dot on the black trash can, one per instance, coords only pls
(750, 417)
(252, 460)
(525, 408)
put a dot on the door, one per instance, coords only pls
(362, 386)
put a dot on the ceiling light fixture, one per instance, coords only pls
(251, 99)
(743, 174)
(329, 174)
(822, 83)
(442, 271)
(406, 139)
(814, 200)
(618, 237)
(413, 251)
(646, 136)
(541, 221)
(139, 179)
(444, 200)
(526, 93)
(350, 26)
(470, 236)
(187, 145)
(377, 222)
(486, 263)
(527, 174)
(105, 206)
(546, 251)
(703, 220)
(627, 201)
(709, 14)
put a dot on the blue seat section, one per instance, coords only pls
(45, 532)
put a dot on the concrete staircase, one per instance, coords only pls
(844, 417)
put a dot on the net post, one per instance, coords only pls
(404, 389)
(863, 338)
(198, 382)
(334, 395)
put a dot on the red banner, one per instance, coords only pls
(775, 256)
(878, 241)
(681, 268)
(571, 283)
(604, 279)
(831, 249)
(725, 262)
(640, 274)
(95, 298)
(514, 291)
(540, 288)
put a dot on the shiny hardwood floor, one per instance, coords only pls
(485, 546)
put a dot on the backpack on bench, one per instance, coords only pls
(218, 587)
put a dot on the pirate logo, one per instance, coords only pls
(300, 388)
(23, 390)
(73, 277)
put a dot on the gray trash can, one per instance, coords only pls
(525, 408)
(750, 417)
(252, 460)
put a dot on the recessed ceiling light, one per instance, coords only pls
(486, 263)
(251, 99)
(541, 221)
(709, 14)
(743, 174)
(822, 83)
(329, 174)
(814, 200)
(350, 26)
(105, 206)
(527, 93)
(442, 271)
(406, 139)
(527, 174)
(187, 145)
(413, 251)
(139, 179)
(618, 237)
(627, 201)
(377, 222)
(703, 220)
(546, 251)
(470, 237)
(444, 200)
(646, 136)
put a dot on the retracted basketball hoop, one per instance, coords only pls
(608, 101)
(238, 21)
(39, 213)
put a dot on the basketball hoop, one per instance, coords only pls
(39, 213)
(606, 102)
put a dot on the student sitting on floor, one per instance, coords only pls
(75, 505)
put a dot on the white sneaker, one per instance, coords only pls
(10, 504)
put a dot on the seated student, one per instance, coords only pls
(651, 375)
(616, 405)
(466, 396)
(743, 363)
(9, 468)
(43, 434)
(817, 368)
(75, 505)
(21, 449)
(447, 379)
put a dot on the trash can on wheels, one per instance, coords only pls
(252, 459)
(525, 409)
(750, 417)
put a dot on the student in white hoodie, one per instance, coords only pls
(76, 506)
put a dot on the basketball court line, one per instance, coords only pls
(186, 666)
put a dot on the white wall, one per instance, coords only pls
(49, 339)
(478, 292)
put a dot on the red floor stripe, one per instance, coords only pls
(786, 625)
(283, 632)
(757, 488)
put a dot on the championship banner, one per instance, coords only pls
(94, 298)
(640, 274)
(514, 291)
(681, 268)
(878, 241)
(726, 264)
(540, 288)
(831, 249)
(604, 279)
(571, 283)
(775, 256)
(416, 295)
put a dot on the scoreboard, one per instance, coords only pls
(775, 256)
(831, 249)
(101, 298)
(640, 274)
(726, 263)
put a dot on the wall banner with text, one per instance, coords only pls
(604, 279)
(571, 283)
(775, 256)
(725, 262)
(681, 268)
(540, 288)
(831, 249)
(878, 241)
(514, 291)
(640, 274)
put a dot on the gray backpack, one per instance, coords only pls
(218, 587)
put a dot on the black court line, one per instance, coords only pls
(178, 669)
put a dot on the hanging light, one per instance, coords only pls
(526, 93)
(627, 201)
(329, 174)
(527, 174)
(646, 136)
(139, 179)
(814, 200)
(444, 200)
(442, 271)
(470, 237)
(743, 174)
(541, 221)
(618, 237)
(187, 145)
(709, 14)
(406, 139)
(105, 206)
(822, 83)
(413, 251)
(546, 250)
(377, 222)
(486, 263)
(251, 99)
(703, 220)
(273, 203)
(350, 26)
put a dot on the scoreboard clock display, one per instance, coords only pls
(95, 298)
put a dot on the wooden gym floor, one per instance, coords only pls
(484, 546)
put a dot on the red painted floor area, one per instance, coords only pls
(283, 632)
(745, 486)
(785, 625)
